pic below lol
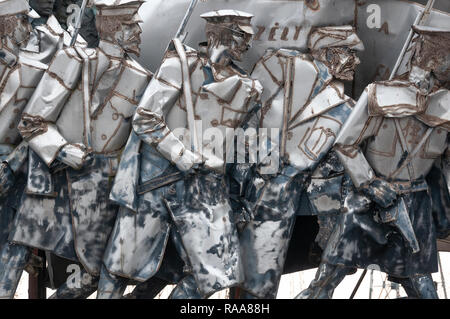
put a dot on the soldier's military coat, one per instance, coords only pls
(148, 179)
(309, 179)
(371, 147)
(86, 97)
(19, 77)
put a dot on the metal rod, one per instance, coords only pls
(78, 23)
(186, 18)
(358, 284)
(371, 284)
(442, 276)
(286, 105)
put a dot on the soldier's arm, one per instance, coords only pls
(149, 121)
(359, 127)
(38, 123)
(241, 168)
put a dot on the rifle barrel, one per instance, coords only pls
(186, 18)
(78, 24)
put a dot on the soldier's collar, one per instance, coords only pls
(38, 22)
(324, 77)
(421, 79)
(54, 25)
(111, 49)
(324, 70)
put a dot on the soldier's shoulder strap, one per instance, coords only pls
(170, 69)
(394, 99)
(330, 97)
(31, 71)
(437, 113)
(133, 64)
(53, 26)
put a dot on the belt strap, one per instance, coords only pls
(159, 182)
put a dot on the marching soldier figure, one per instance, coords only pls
(77, 122)
(303, 98)
(19, 76)
(170, 191)
(404, 128)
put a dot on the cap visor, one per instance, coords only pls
(33, 14)
(247, 29)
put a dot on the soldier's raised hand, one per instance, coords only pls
(381, 192)
(187, 160)
(73, 155)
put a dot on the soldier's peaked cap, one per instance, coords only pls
(331, 37)
(8, 7)
(242, 19)
(431, 31)
(118, 7)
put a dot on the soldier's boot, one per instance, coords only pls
(418, 287)
(328, 277)
(111, 286)
(424, 287)
(186, 289)
(13, 260)
(79, 286)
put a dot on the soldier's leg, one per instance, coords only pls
(13, 259)
(80, 287)
(111, 286)
(328, 277)
(407, 286)
(264, 242)
(417, 287)
(186, 289)
(424, 286)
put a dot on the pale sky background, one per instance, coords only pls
(292, 284)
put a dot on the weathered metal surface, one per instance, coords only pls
(403, 141)
(13, 259)
(221, 99)
(66, 210)
(317, 108)
(205, 222)
(139, 238)
(321, 287)
(19, 77)
(196, 198)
